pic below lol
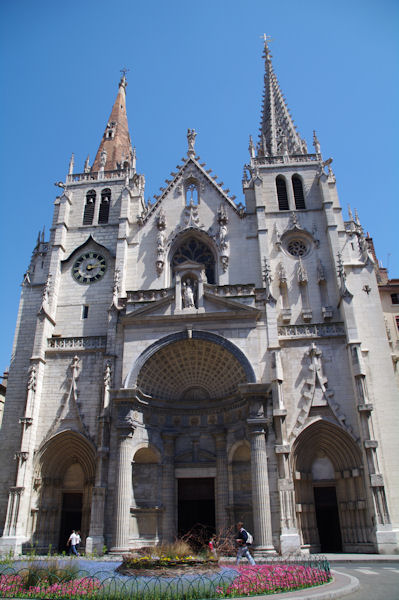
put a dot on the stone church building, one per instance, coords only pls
(194, 360)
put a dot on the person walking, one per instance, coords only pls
(243, 540)
(212, 549)
(72, 541)
(79, 539)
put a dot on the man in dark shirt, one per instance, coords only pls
(242, 542)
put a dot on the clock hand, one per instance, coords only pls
(90, 267)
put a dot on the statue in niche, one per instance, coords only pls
(160, 240)
(222, 234)
(103, 158)
(188, 294)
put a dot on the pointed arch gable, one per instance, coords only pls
(62, 450)
(324, 435)
(90, 240)
(191, 167)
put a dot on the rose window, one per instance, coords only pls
(297, 248)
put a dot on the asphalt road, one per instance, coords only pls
(377, 581)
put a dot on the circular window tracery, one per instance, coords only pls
(297, 248)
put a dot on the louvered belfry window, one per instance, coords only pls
(282, 193)
(90, 205)
(298, 192)
(103, 214)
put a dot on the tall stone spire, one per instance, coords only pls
(278, 134)
(115, 150)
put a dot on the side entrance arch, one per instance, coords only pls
(331, 500)
(62, 490)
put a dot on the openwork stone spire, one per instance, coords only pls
(278, 135)
(115, 150)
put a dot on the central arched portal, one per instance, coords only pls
(191, 381)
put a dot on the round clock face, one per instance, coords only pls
(89, 267)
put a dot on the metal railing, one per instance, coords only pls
(64, 579)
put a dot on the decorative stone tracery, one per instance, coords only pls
(223, 243)
(161, 226)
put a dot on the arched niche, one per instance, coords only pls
(146, 477)
(194, 246)
(146, 495)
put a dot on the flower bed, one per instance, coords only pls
(182, 580)
(15, 586)
(271, 579)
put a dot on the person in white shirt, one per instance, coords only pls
(73, 539)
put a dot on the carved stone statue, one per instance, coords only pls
(160, 240)
(191, 135)
(46, 289)
(316, 143)
(188, 294)
(32, 378)
(103, 158)
(222, 234)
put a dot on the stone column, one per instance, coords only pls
(169, 488)
(95, 540)
(123, 491)
(222, 491)
(260, 487)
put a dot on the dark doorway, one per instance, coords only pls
(327, 518)
(71, 517)
(196, 506)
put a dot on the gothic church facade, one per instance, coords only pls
(195, 360)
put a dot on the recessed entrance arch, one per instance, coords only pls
(198, 365)
(65, 475)
(329, 488)
(189, 380)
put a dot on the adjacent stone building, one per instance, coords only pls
(196, 360)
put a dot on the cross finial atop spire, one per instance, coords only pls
(123, 78)
(266, 38)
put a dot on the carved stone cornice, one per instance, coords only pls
(315, 330)
(97, 342)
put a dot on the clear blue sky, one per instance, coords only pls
(197, 65)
